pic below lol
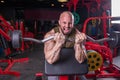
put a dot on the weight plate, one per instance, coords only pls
(95, 60)
(115, 39)
(16, 39)
(76, 17)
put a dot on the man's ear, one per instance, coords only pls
(59, 22)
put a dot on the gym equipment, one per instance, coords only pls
(113, 39)
(105, 28)
(108, 68)
(5, 37)
(76, 17)
(5, 25)
(95, 60)
(17, 37)
(115, 35)
(66, 65)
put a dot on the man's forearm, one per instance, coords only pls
(54, 54)
(78, 52)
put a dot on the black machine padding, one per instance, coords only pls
(67, 65)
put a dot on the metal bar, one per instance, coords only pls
(32, 39)
(51, 37)
(38, 41)
(99, 40)
(5, 35)
(46, 39)
(90, 18)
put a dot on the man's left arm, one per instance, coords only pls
(80, 51)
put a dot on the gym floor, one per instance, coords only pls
(29, 68)
(35, 65)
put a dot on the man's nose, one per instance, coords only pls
(67, 25)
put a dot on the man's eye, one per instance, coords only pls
(70, 23)
(64, 22)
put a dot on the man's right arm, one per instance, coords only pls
(51, 49)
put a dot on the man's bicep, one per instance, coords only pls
(48, 45)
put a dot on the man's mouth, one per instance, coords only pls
(66, 30)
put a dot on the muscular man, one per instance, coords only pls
(64, 31)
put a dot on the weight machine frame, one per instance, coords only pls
(10, 61)
(111, 70)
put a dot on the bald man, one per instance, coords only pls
(65, 30)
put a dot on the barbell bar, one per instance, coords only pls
(113, 39)
(38, 41)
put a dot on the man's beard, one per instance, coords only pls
(66, 33)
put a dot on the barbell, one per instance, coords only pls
(113, 39)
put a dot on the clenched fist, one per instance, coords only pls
(79, 38)
(59, 38)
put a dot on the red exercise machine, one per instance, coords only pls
(5, 39)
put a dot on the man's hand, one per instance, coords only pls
(80, 38)
(59, 38)
(80, 51)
